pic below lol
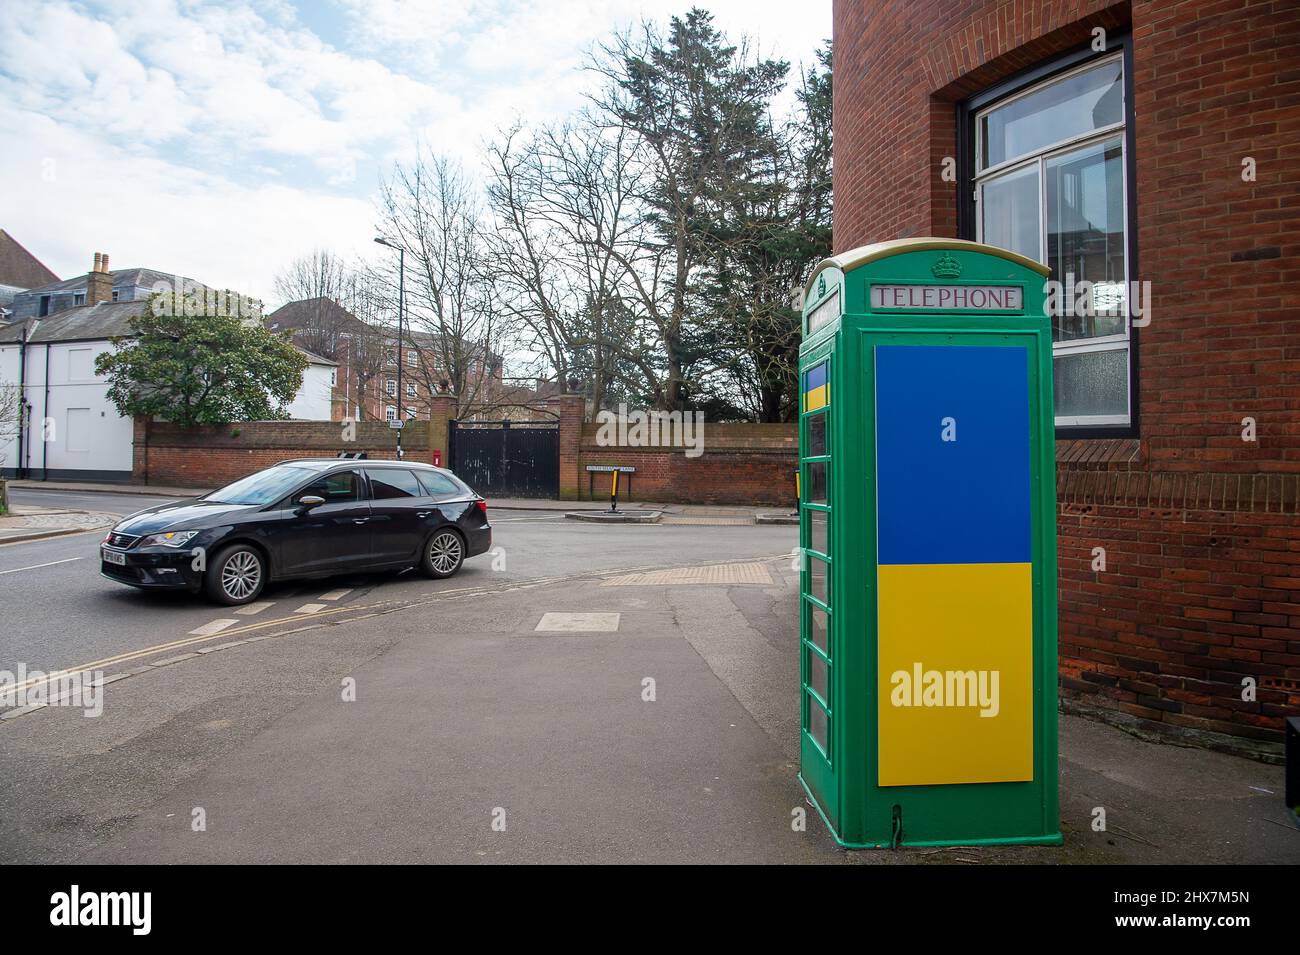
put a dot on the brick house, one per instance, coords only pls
(1125, 142)
(367, 385)
(19, 271)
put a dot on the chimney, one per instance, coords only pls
(99, 281)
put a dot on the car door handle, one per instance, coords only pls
(359, 520)
(422, 513)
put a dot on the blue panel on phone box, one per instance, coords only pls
(962, 501)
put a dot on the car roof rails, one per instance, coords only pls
(358, 455)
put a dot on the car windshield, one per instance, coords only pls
(264, 487)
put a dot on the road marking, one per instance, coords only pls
(130, 655)
(35, 566)
(335, 594)
(390, 605)
(215, 627)
(310, 608)
(258, 607)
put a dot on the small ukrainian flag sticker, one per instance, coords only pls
(816, 388)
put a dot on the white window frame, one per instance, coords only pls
(1040, 158)
(390, 413)
(390, 387)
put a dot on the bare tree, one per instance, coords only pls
(11, 409)
(563, 202)
(431, 210)
(317, 280)
(342, 316)
(367, 298)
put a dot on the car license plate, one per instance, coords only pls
(113, 557)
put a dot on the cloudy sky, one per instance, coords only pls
(220, 140)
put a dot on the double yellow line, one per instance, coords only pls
(175, 645)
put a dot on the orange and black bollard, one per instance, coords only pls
(613, 493)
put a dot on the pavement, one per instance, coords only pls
(395, 719)
(28, 522)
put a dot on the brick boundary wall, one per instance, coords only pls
(740, 464)
(211, 456)
(1200, 528)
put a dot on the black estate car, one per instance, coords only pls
(305, 518)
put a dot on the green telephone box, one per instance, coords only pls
(928, 528)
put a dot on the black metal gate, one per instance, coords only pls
(507, 459)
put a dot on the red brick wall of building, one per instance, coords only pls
(1200, 528)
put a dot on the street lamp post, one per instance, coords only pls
(401, 301)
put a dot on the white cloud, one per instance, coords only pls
(81, 196)
(220, 140)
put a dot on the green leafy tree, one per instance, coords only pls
(698, 108)
(771, 234)
(205, 360)
(651, 245)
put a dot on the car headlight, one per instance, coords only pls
(170, 539)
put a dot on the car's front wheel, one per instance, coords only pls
(236, 576)
(443, 554)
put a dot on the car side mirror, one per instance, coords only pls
(308, 501)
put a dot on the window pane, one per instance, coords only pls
(819, 579)
(817, 723)
(816, 435)
(1092, 383)
(1052, 113)
(817, 527)
(816, 489)
(1009, 212)
(818, 674)
(1085, 236)
(438, 485)
(335, 488)
(390, 483)
(262, 487)
(819, 632)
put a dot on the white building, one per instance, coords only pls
(315, 398)
(72, 431)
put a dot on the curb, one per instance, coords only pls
(42, 535)
(144, 490)
(616, 517)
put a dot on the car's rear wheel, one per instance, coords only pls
(444, 552)
(236, 576)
